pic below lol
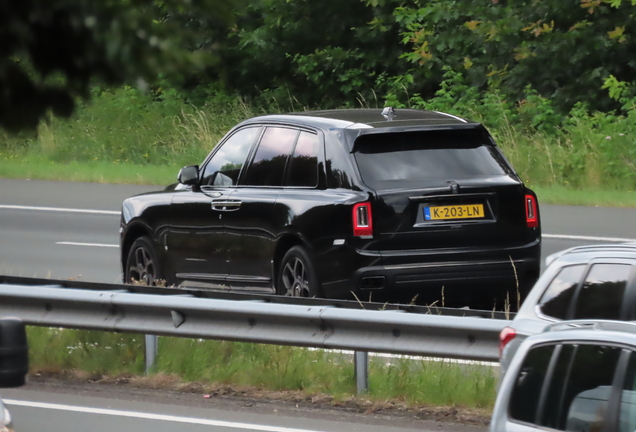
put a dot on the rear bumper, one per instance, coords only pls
(465, 276)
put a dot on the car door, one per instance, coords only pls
(254, 223)
(563, 387)
(196, 240)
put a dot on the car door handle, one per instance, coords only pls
(232, 205)
(225, 205)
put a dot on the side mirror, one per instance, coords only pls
(189, 175)
(14, 353)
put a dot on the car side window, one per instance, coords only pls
(627, 413)
(274, 149)
(601, 295)
(555, 301)
(303, 167)
(225, 166)
(583, 389)
(527, 389)
(575, 395)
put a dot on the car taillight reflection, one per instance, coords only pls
(362, 220)
(532, 217)
(506, 335)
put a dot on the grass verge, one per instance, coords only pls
(42, 168)
(263, 367)
(585, 197)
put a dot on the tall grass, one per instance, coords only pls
(125, 128)
(263, 367)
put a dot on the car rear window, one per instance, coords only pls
(409, 159)
(602, 293)
(555, 301)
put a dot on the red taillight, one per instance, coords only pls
(506, 335)
(362, 220)
(532, 217)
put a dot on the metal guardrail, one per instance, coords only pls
(241, 296)
(185, 314)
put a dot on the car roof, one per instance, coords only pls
(369, 117)
(591, 252)
(364, 121)
(596, 331)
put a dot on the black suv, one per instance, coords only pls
(380, 204)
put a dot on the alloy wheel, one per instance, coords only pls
(295, 281)
(142, 267)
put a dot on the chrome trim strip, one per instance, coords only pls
(452, 264)
(202, 276)
(260, 279)
(452, 116)
(411, 252)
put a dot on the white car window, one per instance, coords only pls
(557, 298)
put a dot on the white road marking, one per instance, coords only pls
(87, 244)
(149, 416)
(410, 357)
(588, 238)
(58, 209)
(117, 213)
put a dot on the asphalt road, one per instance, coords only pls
(66, 230)
(107, 408)
(70, 230)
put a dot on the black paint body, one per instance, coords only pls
(239, 242)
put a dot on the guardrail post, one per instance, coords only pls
(152, 344)
(361, 366)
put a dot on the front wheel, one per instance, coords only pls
(296, 276)
(142, 265)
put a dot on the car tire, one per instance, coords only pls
(142, 264)
(297, 276)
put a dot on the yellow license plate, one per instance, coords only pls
(454, 212)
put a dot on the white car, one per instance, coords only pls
(5, 419)
(587, 282)
(577, 376)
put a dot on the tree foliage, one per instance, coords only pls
(50, 50)
(321, 53)
(541, 56)
(564, 49)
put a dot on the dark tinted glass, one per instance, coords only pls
(303, 169)
(587, 389)
(225, 166)
(627, 417)
(404, 160)
(556, 300)
(552, 410)
(602, 293)
(527, 389)
(268, 166)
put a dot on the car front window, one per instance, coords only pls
(225, 166)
